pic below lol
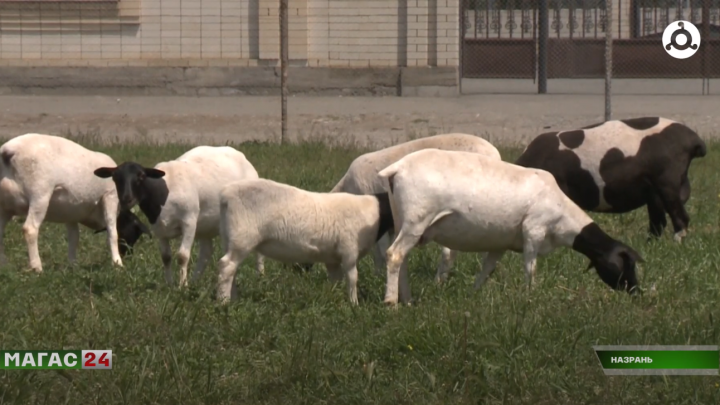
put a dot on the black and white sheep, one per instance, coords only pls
(362, 178)
(49, 178)
(292, 225)
(619, 166)
(181, 198)
(470, 203)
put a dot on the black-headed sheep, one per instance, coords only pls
(362, 178)
(470, 203)
(292, 225)
(181, 198)
(50, 178)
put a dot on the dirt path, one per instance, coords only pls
(504, 119)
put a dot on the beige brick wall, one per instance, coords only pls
(347, 33)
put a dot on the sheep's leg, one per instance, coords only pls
(166, 255)
(656, 215)
(530, 257)
(206, 247)
(530, 265)
(186, 242)
(670, 190)
(446, 262)
(73, 237)
(678, 215)
(488, 266)
(534, 236)
(379, 250)
(31, 229)
(4, 220)
(259, 264)
(110, 212)
(351, 275)
(684, 188)
(227, 266)
(397, 267)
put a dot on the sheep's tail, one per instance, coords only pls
(700, 149)
(6, 155)
(387, 176)
(223, 229)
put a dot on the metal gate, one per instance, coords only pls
(501, 38)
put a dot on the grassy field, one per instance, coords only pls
(293, 338)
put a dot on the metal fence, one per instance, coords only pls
(542, 40)
(538, 42)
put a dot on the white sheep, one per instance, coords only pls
(468, 202)
(362, 178)
(292, 225)
(181, 198)
(49, 178)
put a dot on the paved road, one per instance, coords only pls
(379, 121)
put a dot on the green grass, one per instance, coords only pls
(293, 338)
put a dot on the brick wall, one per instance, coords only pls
(329, 33)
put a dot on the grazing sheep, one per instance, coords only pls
(619, 166)
(181, 198)
(361, 178)
(131, 228)
(292, 225)
(49, 178)
(470, 203)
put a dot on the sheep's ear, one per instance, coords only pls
(154, 173)
(105, 172)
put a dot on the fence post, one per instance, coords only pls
(461, 42)
(542, 45)
(608, 58)
(705, 35)
(283, 67)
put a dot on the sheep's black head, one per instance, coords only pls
(129, 229)
(129, 179)
(617, 268)
(614, 261)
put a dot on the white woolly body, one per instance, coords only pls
(194, 181)
(610, 135)
(476, 204)
(472, 203)
(291, 225)
(56, 175)
(362, 178)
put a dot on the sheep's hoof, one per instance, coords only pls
(679, 235)
(393, 304)
(36, 270)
